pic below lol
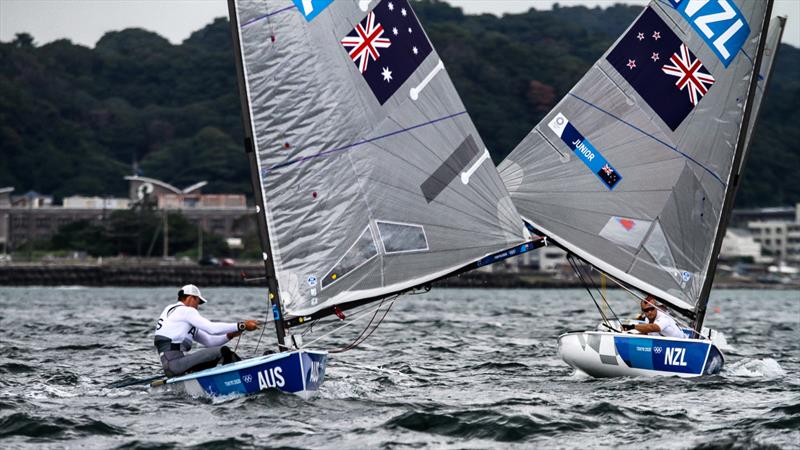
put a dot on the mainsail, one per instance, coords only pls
(371, 176)
(632, 170)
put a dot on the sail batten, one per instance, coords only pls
(631, 170)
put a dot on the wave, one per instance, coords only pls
(484, 424)
(755, 368)
(16, 368)
(22, 424)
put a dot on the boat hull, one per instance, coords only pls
(605, 354)
(299, 372)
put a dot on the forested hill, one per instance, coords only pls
(74, 119)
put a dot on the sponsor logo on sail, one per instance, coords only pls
(585, 151)
(719, 23)
(248, 378)
(657, 350)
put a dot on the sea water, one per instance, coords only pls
(453, 368)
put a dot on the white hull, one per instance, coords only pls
(603, 354)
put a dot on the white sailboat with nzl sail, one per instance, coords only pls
(634, 173)
(370, 178)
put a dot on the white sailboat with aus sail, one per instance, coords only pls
(634, 173)
(370, 178)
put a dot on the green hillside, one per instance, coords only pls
(73, 120)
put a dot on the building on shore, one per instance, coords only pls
(32, 216)
(779, 236)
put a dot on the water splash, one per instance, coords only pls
(721, 342)
(755, 368)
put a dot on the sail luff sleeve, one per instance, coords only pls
(255, 177)
(631, 167)
(734, 177)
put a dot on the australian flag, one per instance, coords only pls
(387, 47)
(660, 67)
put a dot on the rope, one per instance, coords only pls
(346, 324)
(577, 271)
(356, 342)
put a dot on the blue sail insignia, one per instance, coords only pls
(311, 8)
(719, 23)
(585, 151)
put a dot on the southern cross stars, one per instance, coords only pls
(403, 12)
(640, 36)
(654, 57)
(394, 29)
(656, 35)
(387, 74)
(391, 6)
(631, 64)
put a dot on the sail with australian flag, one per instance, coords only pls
(635, 169)
(370, 176)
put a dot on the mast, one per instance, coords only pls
(255, 177)
(733, 181)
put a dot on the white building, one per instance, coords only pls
(78, 202)
(740, 244)
(779, 238)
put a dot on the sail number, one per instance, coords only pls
(675, 356)
(719, 23)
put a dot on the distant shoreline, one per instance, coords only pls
(150, 275)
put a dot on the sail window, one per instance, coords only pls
(356, 256)
(402, 237)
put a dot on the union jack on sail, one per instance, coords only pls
(691, 74)
(365, 44)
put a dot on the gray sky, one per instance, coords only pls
(85, 21)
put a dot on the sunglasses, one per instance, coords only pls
(648, 309)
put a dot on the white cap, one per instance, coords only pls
(191, 289)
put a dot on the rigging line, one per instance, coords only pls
(357, 340)
(575, 268)
(671, 147)
(605, 300)
(346, 324)
(362, 142)
(266, 319)
(256, 19)
(355, 344)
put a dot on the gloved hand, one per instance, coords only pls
(628, 327)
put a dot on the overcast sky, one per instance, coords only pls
(85, 21)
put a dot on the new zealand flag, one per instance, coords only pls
(660, 67)
(387, 47)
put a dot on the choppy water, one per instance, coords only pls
(452, 368)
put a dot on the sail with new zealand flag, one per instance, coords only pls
(668, 106)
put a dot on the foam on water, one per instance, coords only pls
(755, 368)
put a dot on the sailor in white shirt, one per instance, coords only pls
(180, 324)
(660, 323)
